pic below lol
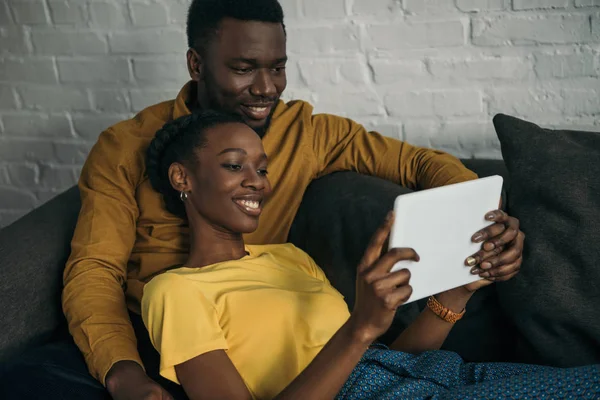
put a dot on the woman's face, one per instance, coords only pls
(228, 183)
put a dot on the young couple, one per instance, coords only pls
(239, 321)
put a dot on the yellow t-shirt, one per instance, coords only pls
(272, 311)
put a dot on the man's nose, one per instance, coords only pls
(263, 84)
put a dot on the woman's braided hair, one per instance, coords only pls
(177, 141)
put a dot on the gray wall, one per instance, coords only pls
(432, 72)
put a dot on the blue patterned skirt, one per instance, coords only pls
(389, 374)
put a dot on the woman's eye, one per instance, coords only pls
(263, 172)
(233, 167)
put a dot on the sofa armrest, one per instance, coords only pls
(33, 252)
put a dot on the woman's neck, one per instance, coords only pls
(210, 245)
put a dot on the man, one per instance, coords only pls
(124, 236)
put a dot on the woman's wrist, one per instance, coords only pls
(356, 334)
(455, 299)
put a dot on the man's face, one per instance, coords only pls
(243, 70)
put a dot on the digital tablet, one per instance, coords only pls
(439, 223)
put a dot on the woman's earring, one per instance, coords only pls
(183, 195)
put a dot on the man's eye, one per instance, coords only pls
(278, 69)
(233, 167)
(263, 172)
(242, 70)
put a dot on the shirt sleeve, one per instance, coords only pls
(178, 334)
(341, 144)
(93, 298)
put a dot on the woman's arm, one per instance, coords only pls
(428, 331)
(213, 376)
(379, 293)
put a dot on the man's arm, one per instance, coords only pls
(342, 144)
(93, 297)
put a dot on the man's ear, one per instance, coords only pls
(179, 178)
(195, 65)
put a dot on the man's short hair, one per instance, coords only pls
(204, 17)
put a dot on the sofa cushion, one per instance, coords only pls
(555, 192)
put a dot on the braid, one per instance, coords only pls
(177, 141)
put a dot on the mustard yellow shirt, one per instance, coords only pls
(124, 235)
(271, 311)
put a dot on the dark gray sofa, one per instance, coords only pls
(337, 216)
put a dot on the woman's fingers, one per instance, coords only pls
(389, 259)
(376, 245)
(392, 280)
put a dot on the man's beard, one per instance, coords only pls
(213, 103)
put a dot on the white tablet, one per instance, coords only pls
(439, 223)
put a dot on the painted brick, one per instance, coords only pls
(54, 98)
(333, 71)
(153, 70)
(44, 196)
(178, 12)
(325, 40)
(457, 102)
(348, 103)
(29, 12)
(59, 42)
(479, 68)
(7, 217)
(481, 5)
(16, 199)
(71, 153)
(419, 132)
(410, 104)
(404, 35)
(23, 175)
(4, 180)
(68, 13)
(565, 65)
(323, 9)
(56, 177)
(547, 29)
(153, 14)
(386, 129)
(290, 9)
(5, 17)
(525, 102)
(94, 70)
(533, 4)
(375, 7)
(581, 101)
(429, 7)
(89, 127)
(16, 149)
(391, 71)
(108, 15)
(12, 40)
(7, 97)
(36, 125)
(110, 100)
(30, 70)
(142, 98)
(587, 3)
(149, 42)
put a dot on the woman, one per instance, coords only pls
(241, 322)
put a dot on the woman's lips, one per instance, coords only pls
(250, 207)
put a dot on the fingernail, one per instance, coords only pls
(389, 215)
(489, 246)
(471, 261)
(475, 271)
(477, 237)
(489, 216)
(484, 275)
(486, 265)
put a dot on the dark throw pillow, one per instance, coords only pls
(555, 193)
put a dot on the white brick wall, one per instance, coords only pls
(432, 72)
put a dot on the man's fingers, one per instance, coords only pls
(488, 232)
(482, 255)
(377, 242)
(501, 273)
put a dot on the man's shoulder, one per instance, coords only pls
(142, 127)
